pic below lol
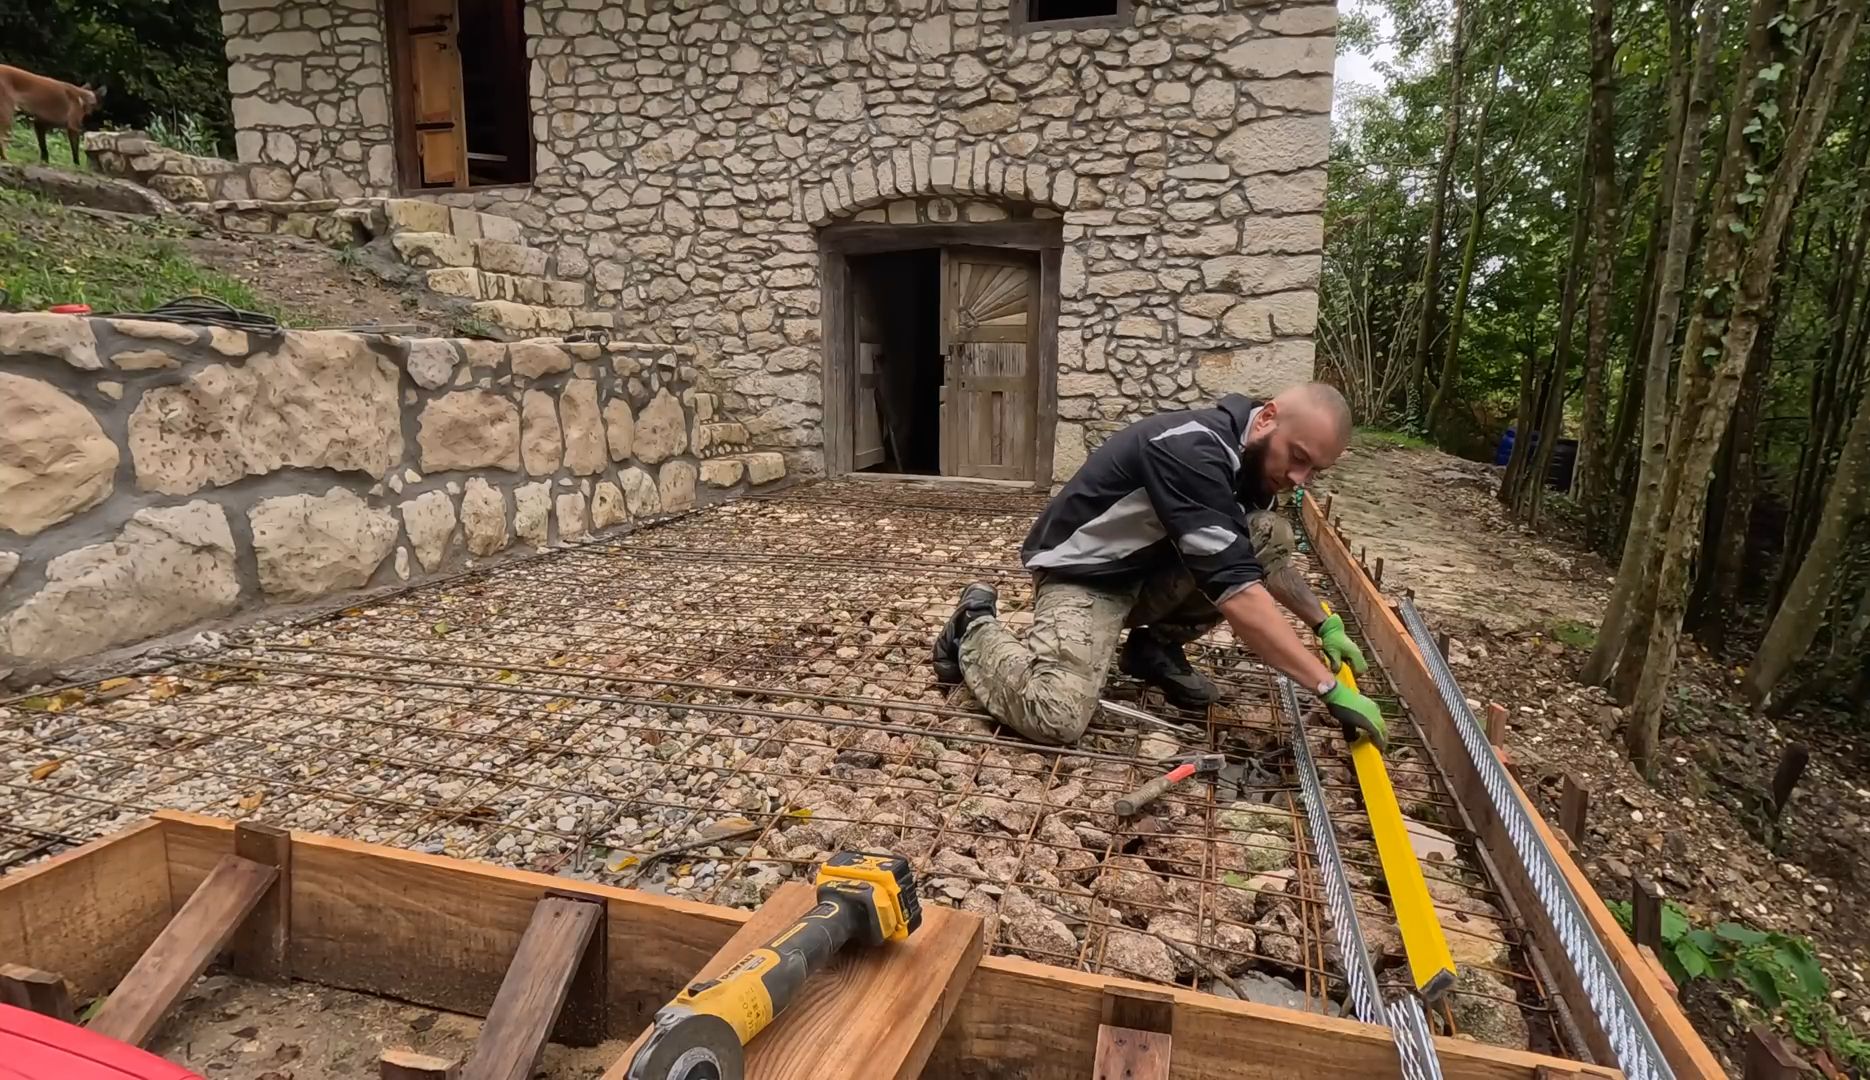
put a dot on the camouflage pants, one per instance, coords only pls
(1046, 686)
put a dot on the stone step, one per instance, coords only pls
(507, 258)
(516, 317)
(420, 215)
(476, 284)
(754, 469)
(424, 250)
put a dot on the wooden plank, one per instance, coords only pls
(409, 1065)
(1151, 1010)
(1128, 1054)
(876, 1012)
(1496, 724)
(1688, 1055)
(385, 917)
(36, 991)
(440, 932)
(181, 952)
(1574, 807)
(839, 376)
(89, 913)
(1046, 419)
(1769, 1058)
(526, 1009)
(1645, 912)
(260, 949)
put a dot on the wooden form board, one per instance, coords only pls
(377, 919)
(87, 915)
(876, 1012)
(1385, 635)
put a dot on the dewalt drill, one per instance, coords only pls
(702, 1034)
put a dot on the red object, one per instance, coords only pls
(1181, 772)
(70, 309)
(34, 1047)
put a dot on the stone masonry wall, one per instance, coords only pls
(686, 153)
(155, 476)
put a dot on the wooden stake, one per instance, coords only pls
(261, 947)
(526, 1009)
(181, 952)
(1496, 724)
(1328, 507)
(1129, 1054)
(1142, 1010)
(1573, 808)
(1769, 1058)
(409, 1065)
(36, 991)
(1786, 776)
(1379, 576)
(1645, 912)
(1441, 644)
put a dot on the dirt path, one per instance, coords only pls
(316, 283)
(1522, 610)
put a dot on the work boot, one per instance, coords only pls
(977, 602)
(1162, 665)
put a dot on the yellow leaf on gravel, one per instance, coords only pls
(623, 863)
(47, 769)
(558, 705)
(252, 799)
(163, 691)
(801, 812)
(112, 684)
(507, 676)
(558, 661)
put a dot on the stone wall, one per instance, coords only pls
(155, 476)
(684, 159)
(191, 178)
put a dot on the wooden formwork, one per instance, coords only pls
(1687, 1054)
(442, 933)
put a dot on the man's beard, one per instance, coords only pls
(1251, 485)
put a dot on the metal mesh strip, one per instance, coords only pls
(1630, 1039)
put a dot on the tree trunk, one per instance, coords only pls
(1682, 170)
(1591, 489)
(1702, 435)
(1470, 247)
(1799, 617)
(1726, 558)
(1522, 467)
(1437, 220)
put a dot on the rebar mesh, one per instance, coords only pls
(708, 707)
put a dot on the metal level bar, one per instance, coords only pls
(1630, 1039)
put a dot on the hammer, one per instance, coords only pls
(1187, 765)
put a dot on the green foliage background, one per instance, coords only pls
(158, 59)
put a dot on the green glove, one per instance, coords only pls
(1338, 646)
(1357, 714)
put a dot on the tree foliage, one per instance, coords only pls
(159, 59)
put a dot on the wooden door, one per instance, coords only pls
(990, 385)
(867, 432)
(436, 104)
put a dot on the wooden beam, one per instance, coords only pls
(1496, 724)
(1143, 1010)
(869, 238)
(1378, 579)
(260, 949)
(1770, 1058)
(875, 1012)
(1574, 808)
(526, 1009)
(409, 1065)
(1786, 776)
(1645, 912)
(1047, 358)
(838, 375)
(440, 932)
(1128, 1054)
(88, 913)
(1687, 1054)
(181, 952)
(36, 991)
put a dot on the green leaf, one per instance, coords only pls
(1746, 198)
(1769, 108)
(1674, 922)
(1740, 935)
(1692, 961)
(1758, 980)
(442, 629)
(1621, 910)
(1755, 178)
(1736, 226)
(1771, 72)
(1703, 940)
(1797, 960)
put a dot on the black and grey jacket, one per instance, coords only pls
(1166, 487)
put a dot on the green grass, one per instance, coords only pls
(51, 254)
(22, 147)
(1386, 437)
(1578, 635)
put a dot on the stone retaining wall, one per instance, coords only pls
(686, 155)
(156, 477)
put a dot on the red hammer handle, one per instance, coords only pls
(1150, 792)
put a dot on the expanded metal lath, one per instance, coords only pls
(1630, 1039)
(1414, 1045)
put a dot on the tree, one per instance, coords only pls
(1444, 172)
(1593, 455)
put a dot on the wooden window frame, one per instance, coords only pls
(1019, 22)
(402, 116)
(838, 359)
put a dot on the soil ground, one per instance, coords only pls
(229, 1028)
(1522, 609)
(318, 284)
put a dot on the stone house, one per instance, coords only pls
(967, 237)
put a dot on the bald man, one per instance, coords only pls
(1167, 529)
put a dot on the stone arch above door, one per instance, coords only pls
(919, 170)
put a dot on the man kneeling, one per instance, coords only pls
(1167, 529)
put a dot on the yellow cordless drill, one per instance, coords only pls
(702, 1034)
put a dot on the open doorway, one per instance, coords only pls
(899, 361)
(464, 117)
